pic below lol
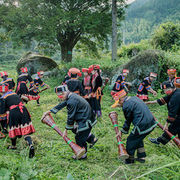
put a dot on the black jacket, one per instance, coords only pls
(137, 113)
(79, 112)
(173, 105)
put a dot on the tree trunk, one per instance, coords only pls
(66, 52)
(114, 30)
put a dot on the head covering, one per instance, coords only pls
(94, 67)
(61, 88)
(4, 88)
(171, 71)
(24, 70)
(152, 74)
(40, 73)
(4, 73)
(86, 70)
(177, 82)
(125, 71)
(74, 71)
(118, 96)
(167, 84)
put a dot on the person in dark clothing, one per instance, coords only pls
(96, 83)
(73, 84)
(11, 86)
(19, 118)
(34, 88)
(121, 82)
(22, 89)
(137, 113)
(145, 87)
(172, 99)
(86, 83)
(80, 117)
(9, 81)
(171, 75)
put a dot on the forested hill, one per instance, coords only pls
(143, 16)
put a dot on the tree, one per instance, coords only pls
(114, 30)
(58, 22)
(166, 36)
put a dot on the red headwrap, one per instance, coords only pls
(4, 88)
(24, 70)
(171, 71)
(74, 71)
(4, 73)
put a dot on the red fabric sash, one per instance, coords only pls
(20, 105)
(19, 83)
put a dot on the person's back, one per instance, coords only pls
(79, 111)
(174, 105)
(139, 114)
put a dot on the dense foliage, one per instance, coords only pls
(167, 37)
(55, 23)
(143, 16)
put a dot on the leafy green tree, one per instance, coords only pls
(60, 23)
(166, 36)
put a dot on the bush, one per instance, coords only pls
(167, 37)
(133, 49)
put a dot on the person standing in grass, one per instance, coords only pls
(96, 83)
(121, 82)
(86, 83)
(9, 81)
(22, 89)
(137, 113)
(171, 75)
(19, 118)
(145, 87)
(34, 89)
(74, 84)
(173, 104)
(80, 117)
(11, 84)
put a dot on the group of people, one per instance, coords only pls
(83, 102)
(13, 112)
(136, 112)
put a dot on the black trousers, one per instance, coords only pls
(174, 128)
(83, 137)
(135, 142)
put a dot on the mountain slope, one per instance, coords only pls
(143, 16)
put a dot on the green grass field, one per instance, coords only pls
(53, 156)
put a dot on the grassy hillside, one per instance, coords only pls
(53, 156)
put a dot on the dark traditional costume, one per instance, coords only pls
(86, 83)
(120, 82)
(80, 117)
(19, 119)
(137, 113)
(96, 83)
(34, 88)
(173, 104)
(145, 86)
(172, 75)
(9, 81)
(73, 84)
(22, 80)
